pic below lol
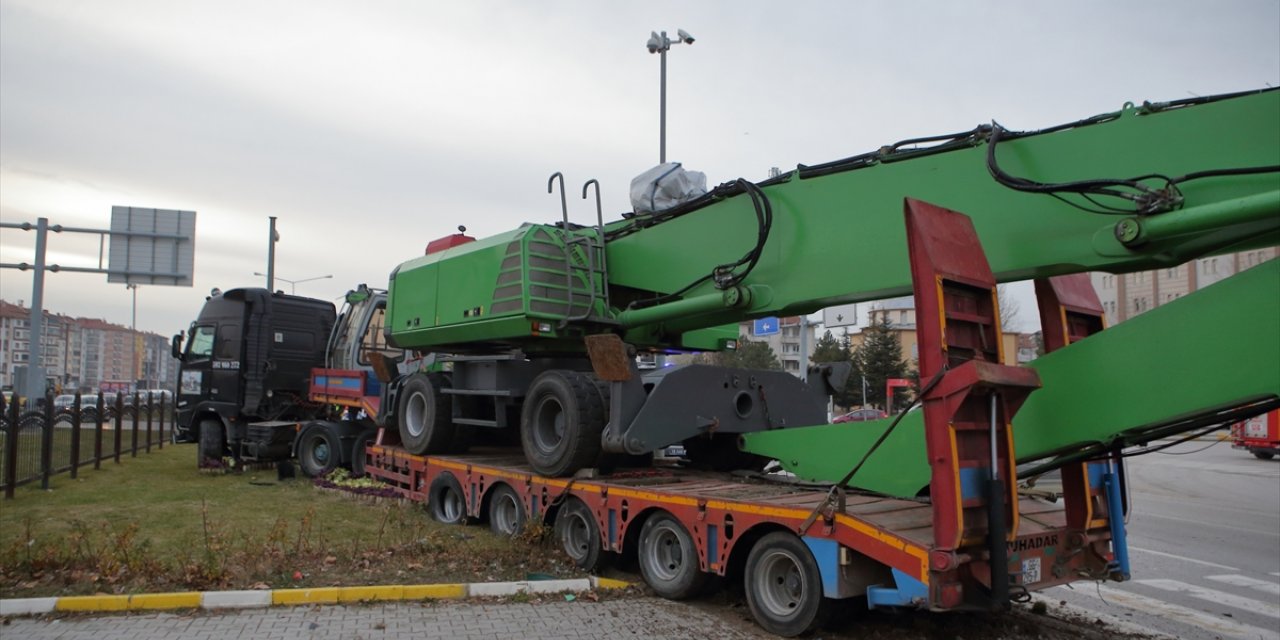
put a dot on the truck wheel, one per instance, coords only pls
(358, 453)
(561, 422)
(506, 514)
(579, 535)
(784, 588)
(445, 500)
(1263, 455)
(425, 414)
(319, 451)
(212, 443)
(669, 559)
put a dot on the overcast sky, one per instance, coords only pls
(370, 128)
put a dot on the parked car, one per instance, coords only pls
(860, 415)
(64, 402)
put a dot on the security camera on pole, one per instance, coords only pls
(660, 43)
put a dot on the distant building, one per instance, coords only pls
(1131, 294)
(787, 343)
(901, 315)
(84, 354)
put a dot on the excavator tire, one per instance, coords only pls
(561, 422)
(425, 414)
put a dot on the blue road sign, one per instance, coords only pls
(765, 327)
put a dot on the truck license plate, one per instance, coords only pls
(1031, 570)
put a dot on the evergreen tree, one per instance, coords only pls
(829, 349)
(879, 358)
(748, 355)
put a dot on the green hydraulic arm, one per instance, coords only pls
(835, 233)
(1184, 364)
(1145, 187)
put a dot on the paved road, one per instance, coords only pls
(1204, 537)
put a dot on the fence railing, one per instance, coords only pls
(36, 445)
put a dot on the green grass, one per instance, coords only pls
(155, 523)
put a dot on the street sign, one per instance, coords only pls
(152, 246)
(842, 315)
(765, 327)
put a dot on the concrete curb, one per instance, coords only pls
(212, 600)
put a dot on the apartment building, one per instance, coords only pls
(1131, 294)
(84, 354)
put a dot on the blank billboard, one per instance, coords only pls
(152, 246)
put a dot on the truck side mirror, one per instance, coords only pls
(175, 347)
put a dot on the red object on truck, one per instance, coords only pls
(1259, 435)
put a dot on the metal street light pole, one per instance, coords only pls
(133, 337)
(660, 44)
(272, 239)
(293, 284)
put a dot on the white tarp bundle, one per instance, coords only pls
(666, 186)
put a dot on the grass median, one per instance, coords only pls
(154, 523)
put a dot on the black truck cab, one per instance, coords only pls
(248, 358)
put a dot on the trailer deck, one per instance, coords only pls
(889, 538)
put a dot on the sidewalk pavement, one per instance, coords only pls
(644, 617)
(218, 600)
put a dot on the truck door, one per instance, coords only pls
(193, 382)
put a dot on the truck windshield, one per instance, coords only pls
(200, 347)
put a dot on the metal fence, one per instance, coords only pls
(36, 445)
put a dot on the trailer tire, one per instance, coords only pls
(561, 422)
(784, 586)
(579, 535)
(212, 443)
(425, 414)
(319, 450)
(445, 501)
(363, 440)
(1263, 455)
(506, 513)
(669, 559)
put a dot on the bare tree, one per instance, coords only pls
(1008, 307)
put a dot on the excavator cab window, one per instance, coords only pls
(375, 340)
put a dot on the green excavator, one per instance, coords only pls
(537, 328)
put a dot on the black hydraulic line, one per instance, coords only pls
(1195, 427)
(725, 275)
(844, 482)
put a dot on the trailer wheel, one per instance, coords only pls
(783, 585)
(212, 443)
(425, 414)
(1263, 455)
(578, 533)
(669, 559)
(319, 450)
(506, 514)
(561, 422)
(358, 453)
(446, 501)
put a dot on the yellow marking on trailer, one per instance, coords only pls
(894, 542)
(451, 465)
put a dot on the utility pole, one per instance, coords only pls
(35, 365)
(271, 256)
